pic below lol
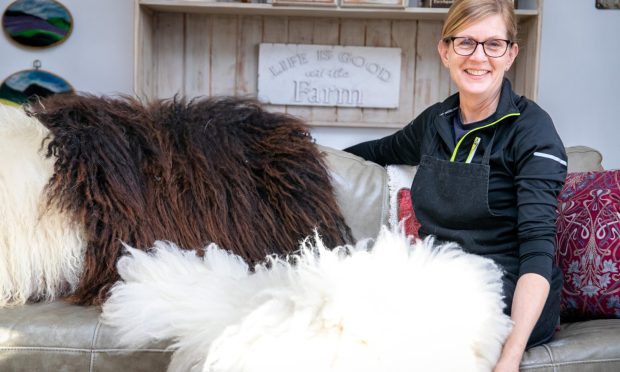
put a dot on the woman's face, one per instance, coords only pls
(478, 74)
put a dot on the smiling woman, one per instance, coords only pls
(480, 181)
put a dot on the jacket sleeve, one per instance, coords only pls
(541, 166)
(402, 147)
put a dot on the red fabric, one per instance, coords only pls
(588, 245)
(406, 212)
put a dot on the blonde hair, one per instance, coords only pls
(463, 13)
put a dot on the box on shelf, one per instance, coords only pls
(438, 3)
(448, 3)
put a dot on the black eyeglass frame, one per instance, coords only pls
(452, 38)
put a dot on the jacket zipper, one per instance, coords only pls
(456, 148)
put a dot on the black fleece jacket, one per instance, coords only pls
(528, 168)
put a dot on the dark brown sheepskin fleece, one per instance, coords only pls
(219, 170)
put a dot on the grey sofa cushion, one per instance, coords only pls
(361, 191)
(61, 337)
(592, 345)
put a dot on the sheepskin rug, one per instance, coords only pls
(41, 249)
(387, 305)
(208, 170)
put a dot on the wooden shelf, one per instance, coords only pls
(198, 48)
(234, 8)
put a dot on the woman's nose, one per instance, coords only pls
(479, 54)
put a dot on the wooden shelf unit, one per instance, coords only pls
(198, 48)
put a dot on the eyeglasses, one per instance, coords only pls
(465, 46)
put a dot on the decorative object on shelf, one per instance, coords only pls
(37, 23)
(333, 3)
(607, 4)
(23, 86)
(374, 3)
(438, 3)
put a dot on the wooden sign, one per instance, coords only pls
(329, 75)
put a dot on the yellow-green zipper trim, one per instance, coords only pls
(473, 130)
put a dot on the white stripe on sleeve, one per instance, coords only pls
(549, 156)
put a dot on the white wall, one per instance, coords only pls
(579, 67)
(579, 80)
(96, 58)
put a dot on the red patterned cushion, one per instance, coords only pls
(406, 213)
(588, 245)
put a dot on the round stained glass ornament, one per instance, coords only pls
(37, 23)
(24, 86)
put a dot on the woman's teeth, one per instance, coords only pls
(476, 72)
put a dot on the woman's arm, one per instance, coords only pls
(402, 147)
(527, 304)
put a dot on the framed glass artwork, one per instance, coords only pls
(23, 86)
(607, 4)
(37, 23)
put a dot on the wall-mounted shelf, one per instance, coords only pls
(203, 7)
(194, 47)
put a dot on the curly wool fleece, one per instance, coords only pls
(389, 307)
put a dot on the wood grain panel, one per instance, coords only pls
(224, 55)
(378, 34)
(275, 30)
(404, 37)
(169, 55)
(144, 60)
(198, 39)
(250, 36)
(428, 67)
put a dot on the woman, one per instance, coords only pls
(490, 168)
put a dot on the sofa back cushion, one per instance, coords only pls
(583, 159)
(588, 245)
(361, 191)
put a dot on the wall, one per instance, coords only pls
(578, 68)
(579, 75)
(96, 58)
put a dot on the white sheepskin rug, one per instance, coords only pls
(40, 249)
(395, 306)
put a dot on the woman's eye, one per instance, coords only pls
(493, 44)
(467, 42)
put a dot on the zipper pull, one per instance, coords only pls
(474, 147)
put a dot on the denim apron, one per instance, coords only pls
(451, 202)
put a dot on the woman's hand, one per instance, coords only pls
(508, 363)
(527, 304)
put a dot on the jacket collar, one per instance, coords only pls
(507, 105)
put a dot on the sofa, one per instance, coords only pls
(61, 337)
